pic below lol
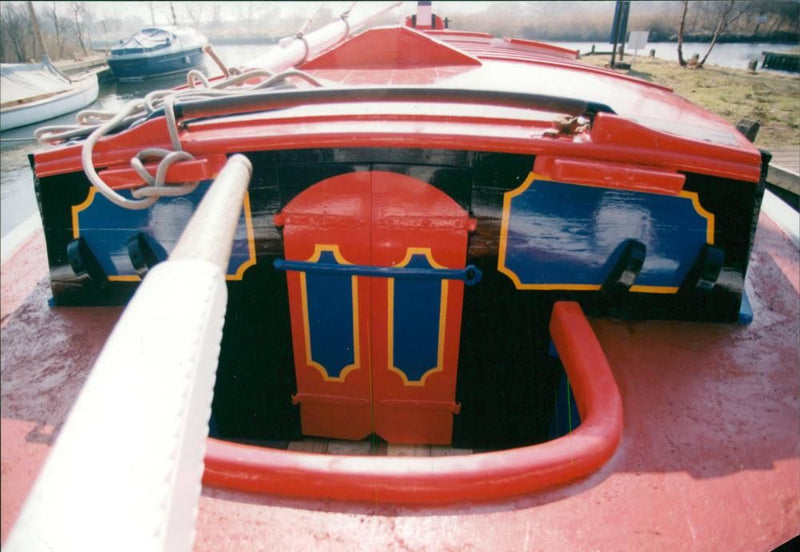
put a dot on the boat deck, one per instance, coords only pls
(710, 411)
(368, 448)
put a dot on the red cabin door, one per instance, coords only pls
(375, 272)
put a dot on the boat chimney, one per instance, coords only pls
(424, 15)
(425, 18)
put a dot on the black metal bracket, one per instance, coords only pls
(145, 252)
(84, 263)
(625, 271)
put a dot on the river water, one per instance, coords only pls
(17, 199)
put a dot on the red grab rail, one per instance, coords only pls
(448, 479)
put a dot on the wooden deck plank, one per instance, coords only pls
(319, 446)
(368, 448)
(408, 450)
(353, 448)
(784, 168)
(449, 451)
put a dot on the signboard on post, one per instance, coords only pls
(637, 41)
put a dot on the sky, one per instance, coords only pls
(230, 10)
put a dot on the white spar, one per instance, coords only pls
(295, 50)
(125, 472)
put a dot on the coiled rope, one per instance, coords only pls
(93, 125)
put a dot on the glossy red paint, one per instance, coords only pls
(448, 480)
(710, 411)
(652, 126)
(544, 48)
(376, 219)
(609, 175)
(487, 48)
(413, 219)
(339, 404)
(469, 134)
(390, 48)
(710, 416)
(112, 151)
(611, 138)
(205, 168)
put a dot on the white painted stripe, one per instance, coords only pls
(12, 241)
(783, 215)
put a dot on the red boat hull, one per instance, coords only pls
(709, 458)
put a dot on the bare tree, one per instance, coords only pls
(681, 30)
(80, 18)
(16, 29)
(713, 14)
(727, 15)
(195, 12)
(52, 14)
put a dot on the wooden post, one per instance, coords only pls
(37, 33)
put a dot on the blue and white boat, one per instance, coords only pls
(157, 51)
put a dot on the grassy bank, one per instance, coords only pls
(770, 98)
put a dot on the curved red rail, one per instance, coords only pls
(441, 480)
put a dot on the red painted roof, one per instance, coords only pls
(380, 57)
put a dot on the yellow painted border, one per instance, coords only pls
(708, 215)
(81, 207)
(501, 257)
(238, 275)
(318, 250)
(410, 252)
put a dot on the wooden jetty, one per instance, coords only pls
(96, 63)
(782, 61)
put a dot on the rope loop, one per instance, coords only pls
(157, 183)
(193, 76)
(93, 125)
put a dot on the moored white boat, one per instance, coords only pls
(32, 93)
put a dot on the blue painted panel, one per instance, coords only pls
(330, 318)
(568, 235)
(416, 323)
(107, 229)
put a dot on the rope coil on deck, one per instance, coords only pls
(94, 124)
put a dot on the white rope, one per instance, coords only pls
(91, 173)
(93, 125)
(157, 186)
(194, 75)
